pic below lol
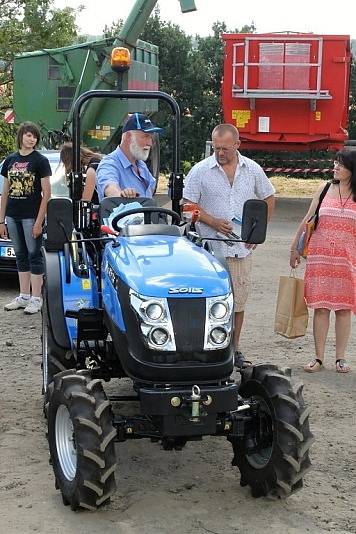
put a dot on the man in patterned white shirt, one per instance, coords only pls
(220, 185)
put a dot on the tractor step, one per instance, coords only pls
(90, 323)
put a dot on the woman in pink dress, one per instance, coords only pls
(330, 275)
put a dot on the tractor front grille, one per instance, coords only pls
(188, 323)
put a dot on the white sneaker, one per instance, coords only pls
(17, 303)
(34, 306)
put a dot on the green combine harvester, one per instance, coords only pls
(47, 83)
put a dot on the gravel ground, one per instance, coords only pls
(195, 490)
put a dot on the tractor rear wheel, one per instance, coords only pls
(81, 440)
(273, 455)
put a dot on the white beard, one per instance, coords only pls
(137, 151)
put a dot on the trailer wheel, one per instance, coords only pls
(54, 358)
(273, 455)
(81, 440)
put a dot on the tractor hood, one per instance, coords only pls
(163, 266)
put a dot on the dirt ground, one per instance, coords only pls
(195, 490)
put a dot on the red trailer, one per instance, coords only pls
(288, 93)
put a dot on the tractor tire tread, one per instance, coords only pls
(283, 470)
(104, 405)
(94, 435)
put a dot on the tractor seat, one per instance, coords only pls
(136, 230)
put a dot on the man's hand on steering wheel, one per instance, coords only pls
(128, 193)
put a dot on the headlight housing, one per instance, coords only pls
(218, 322)
(155, 321)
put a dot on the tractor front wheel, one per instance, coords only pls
(273, 455)
(81, 440)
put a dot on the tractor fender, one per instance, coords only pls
(54, 299)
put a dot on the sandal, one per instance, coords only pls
(342, 366)
(314, 366)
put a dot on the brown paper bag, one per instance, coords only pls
(291, 318)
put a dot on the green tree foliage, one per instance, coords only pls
(27, 25)
(7, 131)
(49, 27)
(113, 30)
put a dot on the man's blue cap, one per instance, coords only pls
(139, 121)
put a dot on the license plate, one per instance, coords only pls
(7, 252)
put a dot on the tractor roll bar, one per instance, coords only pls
(159, 95)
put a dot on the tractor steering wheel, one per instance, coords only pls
(147, 213)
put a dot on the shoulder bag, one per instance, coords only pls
(310, 226)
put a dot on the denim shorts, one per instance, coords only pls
(27, 248)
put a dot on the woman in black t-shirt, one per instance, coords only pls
(24, 200)
(89, 162)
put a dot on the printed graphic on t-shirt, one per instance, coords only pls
(21, 180)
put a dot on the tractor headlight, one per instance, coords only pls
(154, 311)
(218, 310)
(218, 322)
(218, 335)
(155, 321)
(159, 336)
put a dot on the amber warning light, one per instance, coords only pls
(120, 59)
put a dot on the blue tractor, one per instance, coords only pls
(151, 302)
